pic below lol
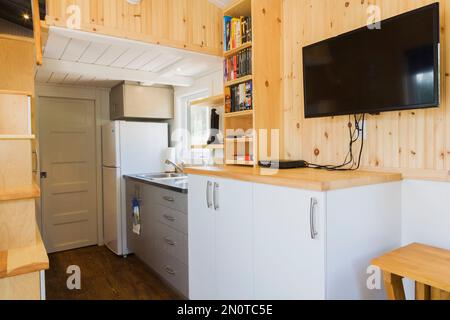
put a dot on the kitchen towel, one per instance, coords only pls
(136, 217)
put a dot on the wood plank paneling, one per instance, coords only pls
(415, 142)
(17, 70)
(14, 114)
(267, 72)
(188, 24)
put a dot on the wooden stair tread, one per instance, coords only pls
(17, 137)
(30, 192)
(418, 262)
(20, 261)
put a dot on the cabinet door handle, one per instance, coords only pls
(169, 218)
(170, 271)
(170, 242)
(208, 192)
(312, 223)
(216, 196)
(169, 199)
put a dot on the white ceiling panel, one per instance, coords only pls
(77, 57)
(55, 46)
(57, 77)
(74, 50)
(161, 62)
(110, 55)
(127, 57)
(42, 76)
(143, 59)
(72, 78)
(93, 52)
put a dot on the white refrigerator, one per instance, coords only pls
(128, 148)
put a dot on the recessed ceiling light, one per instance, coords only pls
(179, 69)
(26, 16)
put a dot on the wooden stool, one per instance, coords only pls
(429, 267)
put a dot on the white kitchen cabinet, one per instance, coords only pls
(220, 239)
(271, 242)
(289, 243)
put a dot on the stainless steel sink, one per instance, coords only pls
(163, 176)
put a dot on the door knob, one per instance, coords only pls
(43, 175)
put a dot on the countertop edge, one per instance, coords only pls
(372, 178)
(158, 185)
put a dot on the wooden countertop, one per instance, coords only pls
(309, 179)
(19, 261)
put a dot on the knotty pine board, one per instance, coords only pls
(416, 142)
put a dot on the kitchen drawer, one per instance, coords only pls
(172, 242)
(174, 272)
(173, 218)
(171, 199)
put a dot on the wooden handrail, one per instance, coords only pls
(37, 30)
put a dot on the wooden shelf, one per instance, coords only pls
(239, 8)
(208, 146)
(239, 140)
(19, 261)
(209, 102)
(239, 163)
(238, 81)
(17, 137)
(232, 52)
(245, 113)
(30, 192)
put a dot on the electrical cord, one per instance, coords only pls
(355, 135)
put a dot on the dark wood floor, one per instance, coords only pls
(104, 276)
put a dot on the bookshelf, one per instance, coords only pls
(239, 148)
(209, 102)
(238, 81)
(266, 77)
(232, 52)
(239, 114)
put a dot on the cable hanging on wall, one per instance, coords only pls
(356, 132)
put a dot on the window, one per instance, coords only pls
(199, 122)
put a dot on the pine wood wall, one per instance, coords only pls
(187, 24)
(416, 142)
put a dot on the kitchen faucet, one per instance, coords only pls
(178, 168)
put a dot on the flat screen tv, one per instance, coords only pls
(375, 70)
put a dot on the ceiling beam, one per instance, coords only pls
(112, 73)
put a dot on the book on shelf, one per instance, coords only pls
(239, 97)
(237, 31)
(238, 65)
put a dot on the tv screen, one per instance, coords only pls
(371, 71)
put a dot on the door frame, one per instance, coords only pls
(100, 97)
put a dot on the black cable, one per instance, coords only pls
(355, 135)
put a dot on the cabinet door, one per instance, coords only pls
(289, 259)
(233, 239)
(202, 276)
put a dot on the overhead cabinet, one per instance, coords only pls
(258, 241)
(129, 101)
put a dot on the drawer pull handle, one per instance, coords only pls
(170, 242)
(169, 199)
(169, 218)
(170, 271)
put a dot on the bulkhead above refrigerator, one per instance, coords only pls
(130, 101)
